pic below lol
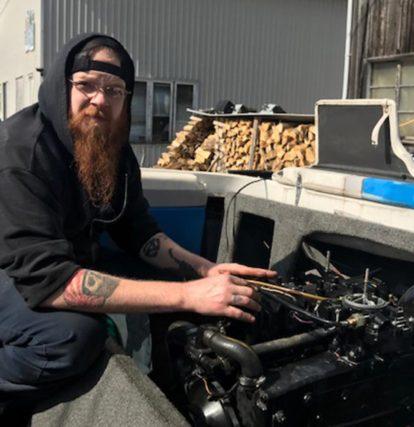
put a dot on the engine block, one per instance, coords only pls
(332, 345)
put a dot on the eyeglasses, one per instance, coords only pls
(90, 89)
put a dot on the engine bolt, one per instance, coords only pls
(279, 417)
(263, 396)
(307, 398)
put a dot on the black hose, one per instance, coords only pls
(300, 310)
(180, 331)
(294, 341)
(239, 351)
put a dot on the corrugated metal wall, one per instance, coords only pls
(250, 51)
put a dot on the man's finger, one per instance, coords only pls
(244, 301)
(238, 314)
(238, 281)
(259, 272)
(246, 291)
(244, 270)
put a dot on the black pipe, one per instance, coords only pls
(294, 341)
(180, 331)
(239, 351)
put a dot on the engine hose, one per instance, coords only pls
(294, 341)
(239, 351)
(179, 332)
(300, 310)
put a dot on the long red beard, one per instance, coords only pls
(97, 150)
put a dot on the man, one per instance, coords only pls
(66, 174)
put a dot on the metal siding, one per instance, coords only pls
(250, 51)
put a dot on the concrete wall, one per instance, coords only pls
(15, 63)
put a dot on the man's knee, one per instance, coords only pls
(76, 347)
(65, 348)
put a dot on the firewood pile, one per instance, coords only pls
(182, 151)
(282, 145)
(235, 144)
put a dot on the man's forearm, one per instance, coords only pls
(218, 293)
(92, 291)
(162, 252)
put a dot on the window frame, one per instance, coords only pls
(30, 88)
(3, 94)
(19, 97)
(399, 60)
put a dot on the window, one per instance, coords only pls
(161, 113)
(158, 109)
(184, 100)
(19, 93)
(138, 113)
(395, 80)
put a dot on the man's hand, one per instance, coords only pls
(240, 270)
(222, 295)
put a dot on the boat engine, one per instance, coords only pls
(332, 345)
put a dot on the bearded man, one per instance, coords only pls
(67, 173)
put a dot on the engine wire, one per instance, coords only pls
(304, 312)
(206, 386)
(296, 317)
(213, 394)
(276, 291)
(268, 286)
(227, 212)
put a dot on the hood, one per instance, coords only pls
(53, 92)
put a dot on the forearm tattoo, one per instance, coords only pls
(152, 247)
(90, 288)
(187, 271)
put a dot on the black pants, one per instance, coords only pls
(41, 349)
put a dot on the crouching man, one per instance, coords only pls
(67, 173)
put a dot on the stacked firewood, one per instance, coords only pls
(182, 151)
(282, 145)
(232, 144)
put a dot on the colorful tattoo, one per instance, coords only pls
(90, 288)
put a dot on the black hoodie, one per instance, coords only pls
(48, 227)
